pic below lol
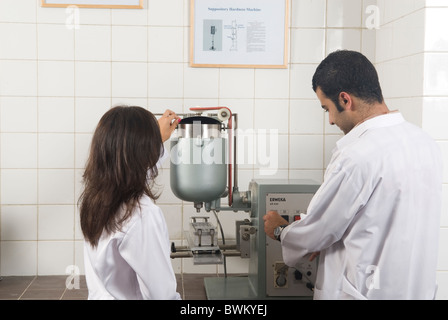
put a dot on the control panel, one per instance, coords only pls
(283, 280)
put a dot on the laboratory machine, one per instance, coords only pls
(204, 171)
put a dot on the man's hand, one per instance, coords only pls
(273, 220)
(167, 123)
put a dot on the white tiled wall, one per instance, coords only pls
(56, 81)
(415, 81)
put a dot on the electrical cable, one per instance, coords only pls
(223, 241)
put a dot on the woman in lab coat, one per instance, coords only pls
(375, 220)
(127, 249)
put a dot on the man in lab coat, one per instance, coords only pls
(375, 219)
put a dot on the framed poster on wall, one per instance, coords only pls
(239, 33)
(118, 4)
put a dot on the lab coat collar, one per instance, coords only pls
(386, 120)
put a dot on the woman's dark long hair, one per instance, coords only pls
(124, 152)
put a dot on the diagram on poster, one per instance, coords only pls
(239, 33)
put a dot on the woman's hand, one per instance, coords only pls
(167, 123)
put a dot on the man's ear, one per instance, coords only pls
(345, 100)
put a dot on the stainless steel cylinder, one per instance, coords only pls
(198, 160)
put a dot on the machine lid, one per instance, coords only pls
(202, 120)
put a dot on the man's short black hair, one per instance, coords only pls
(351, 72)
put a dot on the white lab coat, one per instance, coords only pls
(376, 217)
(134, 263)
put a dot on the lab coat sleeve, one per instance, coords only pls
(332, 209)
(146, 248)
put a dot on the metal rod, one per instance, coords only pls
(235, 163)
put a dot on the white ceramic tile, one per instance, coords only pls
(165, 13)
(93, 79)
(267, 152)
(19, 186)
(308, 13)
(384, 43)
(173, 218)
(90, 16)
(165, 44)
(307, 45)
(200, 82)
(131, 17)
(56, 78)
(56, 15)
(78, 231)
(436, 74)
(281, 174)
(271, 114)
(165, 80)
(343, 39)
(18, 78)
(344, 13)
(306, 152)
(88, 113)
(56, 222)
(19, 223)
(435, 112)
(301, 81)
(272, 83)
(410, 26)
(56, 150)
(236, 83)
(410, 70)
(305, 117)
(18, 114)
(436, 3)
(19, 150)
(54, 257)
(82, 149)
(368, 44)
(442, 282)
(436, 38)
(314, 175)
(129, 79)
(161, 105)
(18, 11)
(18, 258)
(12, 37)
(56, 186)
(93, 43)
(371, 15)
(400, 8)
(138, 102)
(129, 43)
(411, 108)
(79, 187)
(79, 256)
(56, 114)
(48, 35)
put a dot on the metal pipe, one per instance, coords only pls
(175, 255)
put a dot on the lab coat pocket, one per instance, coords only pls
(349, 289)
